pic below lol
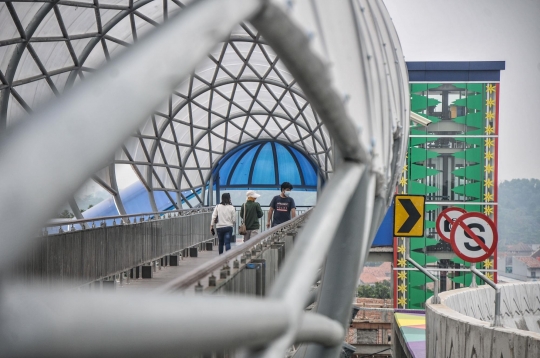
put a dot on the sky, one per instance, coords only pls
(485, 30)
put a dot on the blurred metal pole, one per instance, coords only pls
(211, 190)
(292, 46)
(341, 271)
(69, 324)
(300, 269)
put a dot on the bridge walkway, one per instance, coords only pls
(410, 333)
(165, 274)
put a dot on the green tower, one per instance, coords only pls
(453, 162)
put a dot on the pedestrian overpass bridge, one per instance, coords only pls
(168, 89)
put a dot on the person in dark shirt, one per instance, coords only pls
(252, 214)
(282, 207)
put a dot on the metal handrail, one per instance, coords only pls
(202, 271)
(435, 300)
(204, 209)
(497, 322)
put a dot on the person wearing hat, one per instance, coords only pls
(250, 213)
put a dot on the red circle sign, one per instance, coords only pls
(445, 221)
(474, 237)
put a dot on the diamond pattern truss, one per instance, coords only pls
(240, 93)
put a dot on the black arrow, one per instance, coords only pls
(413, 218)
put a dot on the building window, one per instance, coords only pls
(533, 273)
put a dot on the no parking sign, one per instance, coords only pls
(445, 220)
(473, 237)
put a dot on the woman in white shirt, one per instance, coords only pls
(224, 219)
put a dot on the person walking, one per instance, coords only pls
(282, 207)
(251, 212)
(224, 219)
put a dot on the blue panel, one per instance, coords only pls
(487, 65)
(456, 65)
(287, 167)
(417, 76)
(485, 76)
(264, 170)
(105, 208)
(241, 172)
(162, 201)
(384, 236)
(452, 76)
(416, 66)
(447, 66)
(310, 176)
(225, 169)
(483, 71)
(135, 199)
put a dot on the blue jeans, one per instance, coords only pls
(224, 235)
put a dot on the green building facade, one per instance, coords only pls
(453, 162)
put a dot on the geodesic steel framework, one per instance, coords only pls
(241, 92)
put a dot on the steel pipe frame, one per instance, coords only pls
(148, 183)
(313, 77)
(344, 262)
(299, 271)
(227, 119)
(26, 35)
(185, 334)
(16, 57)
(498, 321)
(435, 299)
(292, 287)
(247, 113)
(271, 113)
(112, 325)
(310, 74)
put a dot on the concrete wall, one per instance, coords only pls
(519, 268)
(461, 325)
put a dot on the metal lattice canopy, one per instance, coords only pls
(240, 93)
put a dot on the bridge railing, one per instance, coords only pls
(60, 226)
(77, 257)
(468, 322)
(232, 259)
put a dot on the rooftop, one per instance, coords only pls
(521, 247)
(531, 262)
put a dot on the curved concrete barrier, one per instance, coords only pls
(461, 325)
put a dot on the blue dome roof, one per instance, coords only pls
(266, 165)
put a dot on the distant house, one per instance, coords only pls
(507, 253)
(526, 268)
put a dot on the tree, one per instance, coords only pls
(89, 206)
(66, 214)
(378, 290)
